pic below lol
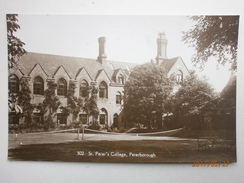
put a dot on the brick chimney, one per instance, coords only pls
(102, 56)
(162, 47)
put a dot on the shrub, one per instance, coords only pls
(94, 126)
(122, 130)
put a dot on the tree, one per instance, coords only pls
(74, 104)
(227, 102)
(13, 104)
(193, 96)
(15, 45)
(24, 100)
(50, 103)
(194, 100)
(90, 105)
(215, 36)
(147, 94)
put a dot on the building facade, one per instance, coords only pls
(108, 76)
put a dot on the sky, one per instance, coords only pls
(128, 39)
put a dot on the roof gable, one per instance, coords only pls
(100, 74)
(17, 72)
(37, 69)
(169, 63)
(82, 73)
(61, 72)
(178, 65)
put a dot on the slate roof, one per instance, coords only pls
(50, 63)
(169, 63)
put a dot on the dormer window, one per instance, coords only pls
(121, 79)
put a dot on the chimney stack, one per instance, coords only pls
(162, 47)
(102, 56)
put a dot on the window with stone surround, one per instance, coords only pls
(38, 86)
(62, 87)
(62, 118)
(84, 88)
(118, 98)
(103, 90)
(13, 84)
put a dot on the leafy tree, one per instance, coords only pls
(147, 94)
(24, 100)
(90, 105)
(74, 104)
(50, 103)
(193, 97)
(15, 45)
(215, 36)
(227, 102)
(13, 104)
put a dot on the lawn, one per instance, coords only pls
(57, 148)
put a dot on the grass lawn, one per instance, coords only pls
(141, 151)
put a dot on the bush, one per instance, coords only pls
(94, 126)
(122, 130)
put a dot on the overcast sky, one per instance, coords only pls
(129, 38)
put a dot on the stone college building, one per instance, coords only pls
(108, 76)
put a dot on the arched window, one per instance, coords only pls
(115, 120)
(103, 118)
(103, 90)
(121, 79)
(84, 88)
(13, 84)
(62, 87)
(118, 98)
(38, 87)
(179, 77)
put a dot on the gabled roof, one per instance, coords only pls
(60, 67)
(117, 71)
(100, 71)
(36, 65)
(72, 65)
(79, 71)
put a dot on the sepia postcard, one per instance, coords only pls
(122, 89)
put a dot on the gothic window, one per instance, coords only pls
(13, 118)
(121, 79)
(13, 84)
(62, 87)
(62, 118)
(84, 88)
(103, 116)
(118, 98)
(38, 87)
(103, 90)
(179, 77)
